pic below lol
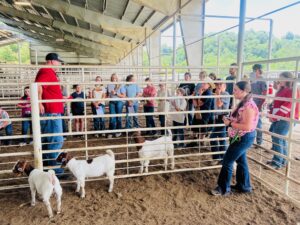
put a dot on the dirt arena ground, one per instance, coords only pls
(176, 198)
(181, 198)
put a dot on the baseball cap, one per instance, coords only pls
(53, 56)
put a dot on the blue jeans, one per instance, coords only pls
(218, 146)
(190, 115)
(54, 142)
(237, 151)
(280, 127)
(259, 134)
(149, 119)
(162, 120)
(99, 123)
(178, 133)
(134, 118)
(26, 125)
(115, 107)
(9, 132)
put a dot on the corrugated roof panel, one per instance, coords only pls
(96, 28)
(96, 5)
(70, 19)
(80, 3)
(131, 12)
(155, 19)
(143, 16)
(108, 33)
(83, 24)
(55, 15)
(115, 8)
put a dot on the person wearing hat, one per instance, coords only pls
(203, 104)
(258, 87)
(51, 109)
(221, 102)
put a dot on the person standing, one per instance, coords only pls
(132, 106)
(231, 77)
(77, 108)
(149, 91)
(188, 91)
(26, 113)
(116, 91)
(241, 131)
(98, 106)
(163, 105)
(178, 105)
(220, 103)
(280, 126)
(5, 126)
(51, 109)
(258, 87)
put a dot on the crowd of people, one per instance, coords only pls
(212, 107)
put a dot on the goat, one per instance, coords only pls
(42, 182)
(154, 148)
(81, 169)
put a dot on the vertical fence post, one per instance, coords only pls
(36, 127)
(289, 144)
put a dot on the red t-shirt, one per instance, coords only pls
(50, 91)
(149, 92)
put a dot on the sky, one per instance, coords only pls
(284, 21)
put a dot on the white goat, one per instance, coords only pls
(42, 182)
(155, 148)
(96, 167)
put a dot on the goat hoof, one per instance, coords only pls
(82, 196)
(58, 212)
(32, 204)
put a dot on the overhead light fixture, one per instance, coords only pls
(22, 2)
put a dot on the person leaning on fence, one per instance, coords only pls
(283, 109)
(132, 106)
(98, 106)
(241, 131)
(203, 118)
(178, 105)
(149, 91)
(77, 108)
(188, 91)
(51, 109)
(231, 77)
(5, 126)
(163, 105)
(26, 113)
(220, 103)
(258, 87)
(115, 106)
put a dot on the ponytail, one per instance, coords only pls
(241, 104)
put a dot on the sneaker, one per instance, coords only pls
(103, 135)
(109, 136)
(22, 144)
(218, 192)
(118, 135)
(31, 143)
(96, 135)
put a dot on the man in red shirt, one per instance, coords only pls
(50, 109)
(149, 91)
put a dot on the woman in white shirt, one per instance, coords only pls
(178, 105)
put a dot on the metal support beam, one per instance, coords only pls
(241, 34)
(270, 43)
(108, 23)
(203, 31)
(174, 48)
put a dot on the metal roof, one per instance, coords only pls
(102, 29)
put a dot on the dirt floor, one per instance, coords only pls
(181, 198)
(176, 198)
